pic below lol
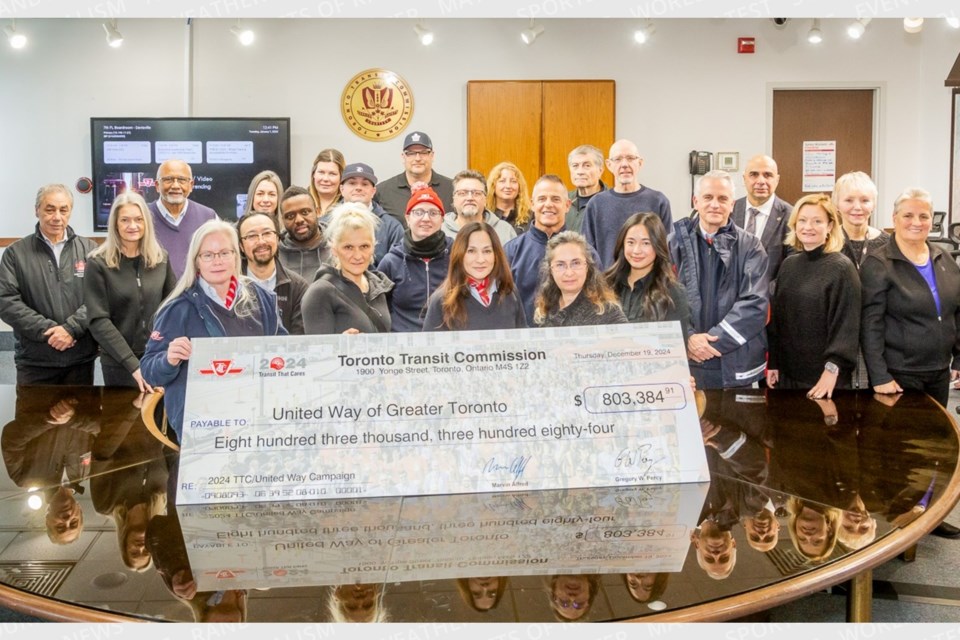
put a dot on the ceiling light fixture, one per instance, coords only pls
(641, 35)
(857, 27)
(424, 34)
(244, 36)
(913, 25)
(16, 39)
(114, 37)
(815, 36)
(953, 22)
(531, 33)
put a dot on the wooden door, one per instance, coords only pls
(535, 124)
(576, 112)
(844, 115)
(503, 124)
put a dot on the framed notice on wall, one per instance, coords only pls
(954, 155)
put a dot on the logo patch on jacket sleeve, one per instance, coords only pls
(156, 335)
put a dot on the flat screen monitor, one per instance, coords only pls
(224, 154)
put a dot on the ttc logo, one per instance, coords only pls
(221, 368)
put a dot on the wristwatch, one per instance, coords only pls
(832, 368)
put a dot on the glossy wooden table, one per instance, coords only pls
(773, 451)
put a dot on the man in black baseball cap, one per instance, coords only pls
(417, 156)
(359, 184)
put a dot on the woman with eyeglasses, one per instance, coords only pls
(508, 196)
(572, 289)
(349, 296)
(263, 196)
(126, 279)
(418, 264)
(212, 299)
(571, 596)
(478, 292)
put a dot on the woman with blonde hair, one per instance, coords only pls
(349, 296)
(508, 196)
(126, 279)
(325, 180)
(572, 289)
(211, 299)
(813, 528)
(263, 196)
(855, 197)
(814, 329)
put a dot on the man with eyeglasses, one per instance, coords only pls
(469, 205)
(359, 184)
(586, 167)
(550, 203)
(259, 244)
(303, 249)
(41, 296)
(418, 264)
(606, 212)
(417, 155)
(175, 216)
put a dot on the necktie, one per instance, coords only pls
(752, 220)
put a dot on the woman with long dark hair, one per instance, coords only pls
(641, 274)
(478, 292)
(572, 289)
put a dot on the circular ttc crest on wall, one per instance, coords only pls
(377, 104)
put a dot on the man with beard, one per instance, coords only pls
(258, 243)
(417, 156)
(303, 248)
(469, 198)
(175, 216)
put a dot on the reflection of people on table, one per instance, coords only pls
(716, 549)
(351, 296)
(813, 528)
(572, 290)
(129, 475)
(572, 596)
(47, 446)
(357, 603)
(212, 299)
(857, 527)
(164, 542)
(646, 587)
(482, 594)
(478, 292)
(762, 528)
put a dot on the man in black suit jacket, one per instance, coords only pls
(769, 223)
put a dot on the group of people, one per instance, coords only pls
(842, 303)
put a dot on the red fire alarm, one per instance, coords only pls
(746, 45)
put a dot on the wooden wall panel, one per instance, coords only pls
(503, 123)
(577, 112)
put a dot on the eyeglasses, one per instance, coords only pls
(568, 604)
(168, 180)
(425, 213)
(622, 159)
(263, 235)
(573, 265)
(210, 256)
(417, 154)
(464, 193)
